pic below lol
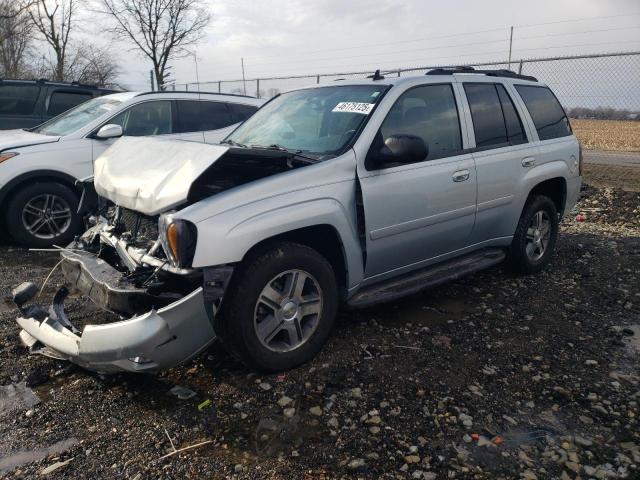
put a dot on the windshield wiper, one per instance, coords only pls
(233, 143)
(296, 153)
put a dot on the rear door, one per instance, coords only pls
(501, 149)
(419, 211)
(20, 105)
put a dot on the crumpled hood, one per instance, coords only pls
(21, 138)
(151, 175)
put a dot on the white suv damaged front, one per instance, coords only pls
(135, 262)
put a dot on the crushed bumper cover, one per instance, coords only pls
(155, 340)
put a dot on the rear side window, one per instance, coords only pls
(242, 112)
(63, 101)
(197, 116)
(18, 99)
(515, 131)
(546, 112)
(430, 113)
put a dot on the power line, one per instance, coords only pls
(440, 47)
(497, 29)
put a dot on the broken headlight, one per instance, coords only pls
(178, 238)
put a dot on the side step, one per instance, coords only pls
(431, 276)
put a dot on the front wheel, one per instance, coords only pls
(279, 309)
(535, 237)
(43, 214)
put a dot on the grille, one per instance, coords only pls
(142, 228)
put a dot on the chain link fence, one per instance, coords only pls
(601, 93)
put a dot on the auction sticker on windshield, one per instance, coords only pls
(354, 107)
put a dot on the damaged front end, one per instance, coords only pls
(163, 313)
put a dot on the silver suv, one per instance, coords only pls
(352, 193)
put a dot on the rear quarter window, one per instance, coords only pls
(546, 112)
(18, 99)
(63, 101)
(241, 112)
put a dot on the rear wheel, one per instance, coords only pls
(535, 238)
(43, 214)
(279, 309)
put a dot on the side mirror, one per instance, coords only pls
(109, 131)
(401, 149)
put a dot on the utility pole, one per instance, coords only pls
(151, 79)
(510, 46)
(244, 82)
(195, 59)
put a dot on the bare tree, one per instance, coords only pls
(162, 29)
(55, 19)
(92, 65)
(16, 31)
(16, 8)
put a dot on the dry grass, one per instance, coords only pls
(618, 135)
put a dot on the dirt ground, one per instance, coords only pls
(493, 376)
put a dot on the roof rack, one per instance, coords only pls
(490, 73)
(195, 91)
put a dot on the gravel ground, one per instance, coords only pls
(493, 376)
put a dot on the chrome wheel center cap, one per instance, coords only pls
(289, 310)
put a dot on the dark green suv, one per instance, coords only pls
(27, 103)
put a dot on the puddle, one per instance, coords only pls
(14, 460)
(17, 396)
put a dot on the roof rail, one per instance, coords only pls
(376, 76)
(195, 91)
(490, 73)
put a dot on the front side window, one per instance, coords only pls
(546, 112)
(78, 117)
(495, 120)
(428, 112)
(18, 99)
(63, 101)
(318, 121)
(144, 119)
(200, 116)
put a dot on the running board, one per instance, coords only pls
(431, 276)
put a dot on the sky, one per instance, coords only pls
(299, 37)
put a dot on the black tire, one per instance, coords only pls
(520, 260)
(65, 197)
(234, 324)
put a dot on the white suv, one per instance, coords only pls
(39, 167)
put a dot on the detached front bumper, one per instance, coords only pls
(151, 341)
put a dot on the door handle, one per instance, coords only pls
(460, 175)
(528, 162)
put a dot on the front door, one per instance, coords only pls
(419, 211)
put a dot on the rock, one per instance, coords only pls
(528, 475)
(591, 362)
(375, 420)
(28, 413)
(583, 442)
(182, 393)
(333, 422)
(284, 401)
(574, 467)
(356, 464)
(56, 466)
(316, 411)
(374, 430)
(509, 419)
(412, 459)
(289, 412)
(466, 420)
(356, 392)
(265, 386)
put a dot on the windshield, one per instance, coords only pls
(71, 120)
(319, 121)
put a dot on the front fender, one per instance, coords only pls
(226, 238)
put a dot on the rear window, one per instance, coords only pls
(18, 99)
(546, 112)
(63, 101)
(197, 116)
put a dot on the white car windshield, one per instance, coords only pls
(317, 121)
(71, 120)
